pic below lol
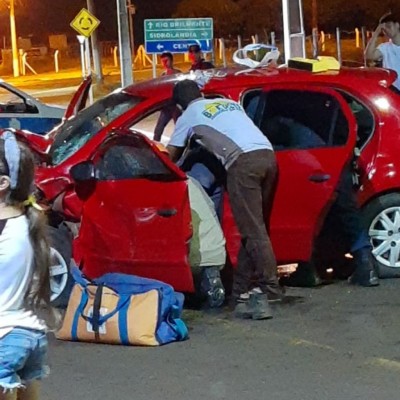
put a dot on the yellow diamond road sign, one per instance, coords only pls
(85, 23)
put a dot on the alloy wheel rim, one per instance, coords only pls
(384, 232)
(58, 274)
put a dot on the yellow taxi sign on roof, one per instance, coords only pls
(85, 23)
(320, 64)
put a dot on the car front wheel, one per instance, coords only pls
(60, 261)
(382, 218)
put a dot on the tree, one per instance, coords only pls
(348, 14)
(226, 14)
(261, 16)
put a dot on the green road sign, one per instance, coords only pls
(178, 29)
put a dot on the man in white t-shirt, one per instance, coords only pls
(388, 52)
(222, 127)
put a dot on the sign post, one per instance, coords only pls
(85, 23)
(176, 35)
(81, 40)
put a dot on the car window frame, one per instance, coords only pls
(295, 87)
(29, 108)
(152, 110)
(364, 104)
(243, 95)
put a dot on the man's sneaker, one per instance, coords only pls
(242, 308)
(259, 307)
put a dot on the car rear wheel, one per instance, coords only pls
(382, 218)
(60, 257)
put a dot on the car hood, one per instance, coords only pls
(37, 143)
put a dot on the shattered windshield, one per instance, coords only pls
(76, 132)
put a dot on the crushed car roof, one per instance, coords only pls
(215, 79)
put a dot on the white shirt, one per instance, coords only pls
(222, 127)
(16, 272)
(391, 59)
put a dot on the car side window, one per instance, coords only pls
(164, 118)
(364, 117)
(162, 121)
(130, 159)
(10, 103)
(300, 119)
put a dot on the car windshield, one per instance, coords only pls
(77, 131)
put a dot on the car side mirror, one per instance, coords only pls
(83, 172)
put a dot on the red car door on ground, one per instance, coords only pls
(313, 133)
(137, 218)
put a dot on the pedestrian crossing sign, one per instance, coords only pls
(85, 23)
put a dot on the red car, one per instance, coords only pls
(144, 218)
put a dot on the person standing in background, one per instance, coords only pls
(169, 112)
(167, 60)
(388, 52)
(198, 62)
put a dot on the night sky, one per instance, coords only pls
(54, 16)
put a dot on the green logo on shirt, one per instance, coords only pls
(212, 110)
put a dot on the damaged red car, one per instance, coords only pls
(143, 221)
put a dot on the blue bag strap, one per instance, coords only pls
(121, 302)
(78, 276)
(96, 311)
(177, 324)
(78, 312)
(123, 321)
(180, 328)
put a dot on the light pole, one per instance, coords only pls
(314, 14)
(95, 45)
(125, 52)
(131, 10)
(14, 44)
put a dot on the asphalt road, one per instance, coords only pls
(334, 342)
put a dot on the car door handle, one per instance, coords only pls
(167, 212)
(318, 178)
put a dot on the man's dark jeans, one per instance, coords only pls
(251, 183)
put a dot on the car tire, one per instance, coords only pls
(382, 220)
(61, 282)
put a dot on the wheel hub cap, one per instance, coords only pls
(385, 237)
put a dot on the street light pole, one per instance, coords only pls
(131, 10)
(95, 46)
(14, 44)
(125, 53)
(314, 14)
